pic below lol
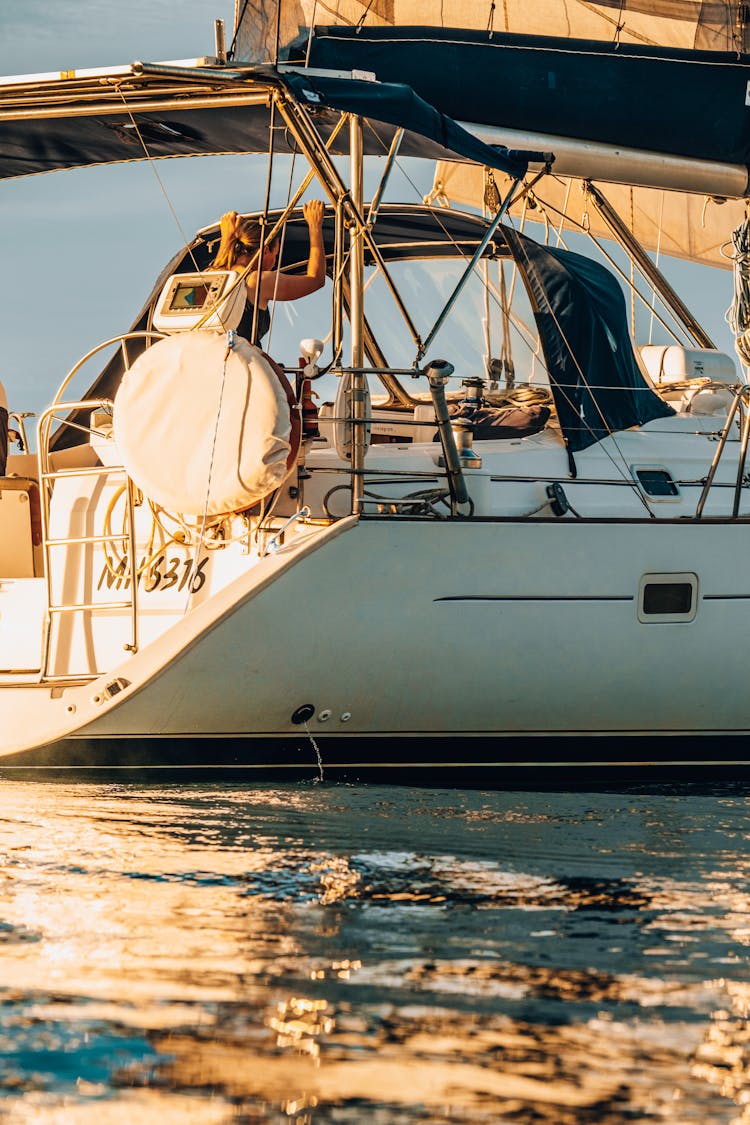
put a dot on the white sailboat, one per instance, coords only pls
(463, 560)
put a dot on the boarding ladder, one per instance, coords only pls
(61, 412)
(56, 546)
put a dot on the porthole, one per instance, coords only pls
(665, 598)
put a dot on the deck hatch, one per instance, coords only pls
(657, 483)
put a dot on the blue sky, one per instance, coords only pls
(83, 248)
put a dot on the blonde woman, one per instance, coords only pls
(240, 241)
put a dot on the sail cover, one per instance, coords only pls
(685, 103)
(580, 312)
(397, 104)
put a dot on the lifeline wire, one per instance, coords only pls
(269, 178)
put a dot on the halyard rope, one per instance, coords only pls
(738, 314)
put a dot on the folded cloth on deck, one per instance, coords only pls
(501, 422)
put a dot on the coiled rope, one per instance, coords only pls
(738, 314)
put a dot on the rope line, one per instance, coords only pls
(199, 540)
(738, 314)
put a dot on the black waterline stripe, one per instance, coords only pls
(535, 598)
(573, 598)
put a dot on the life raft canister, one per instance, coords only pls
(200, 429)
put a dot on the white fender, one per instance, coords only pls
(200, 428)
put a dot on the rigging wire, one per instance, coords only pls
(491, 21)
(656, 263)
(237, 25)
(281, 246)
(363, 17)
(152, 164)
(310, 33)
(278, 33)
(620, 25)
(620, 467)
(563, 216)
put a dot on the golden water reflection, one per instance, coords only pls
(204, 956)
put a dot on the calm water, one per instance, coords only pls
(313, 954)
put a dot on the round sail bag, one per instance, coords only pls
(201, 428)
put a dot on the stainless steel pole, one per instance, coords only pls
(356, 314)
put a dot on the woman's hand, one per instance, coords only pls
(313, 212)
(229, 223)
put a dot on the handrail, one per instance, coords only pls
(742, 458)
(741, 393)
(122, 339)
(47, 475)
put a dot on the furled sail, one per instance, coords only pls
(695, 228)
(659, 100)
(705, 25)
(683, 106)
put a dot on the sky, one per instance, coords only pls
(82, 248)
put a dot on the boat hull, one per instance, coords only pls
(411, 642)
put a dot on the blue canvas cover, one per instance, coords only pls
(689, 103)
(396, 104)
(580, 312)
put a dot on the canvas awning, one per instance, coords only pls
(133, 113)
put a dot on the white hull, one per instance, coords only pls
(421, 629)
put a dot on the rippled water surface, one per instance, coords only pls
(211, 953)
